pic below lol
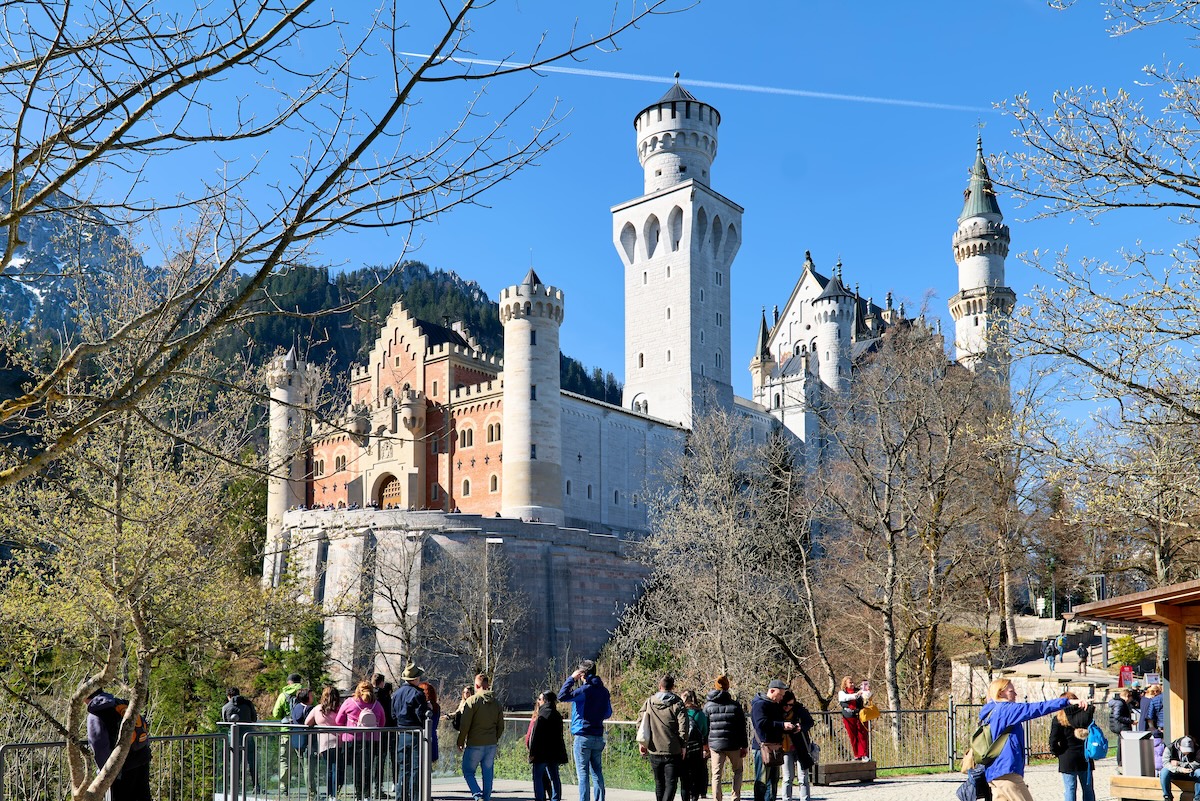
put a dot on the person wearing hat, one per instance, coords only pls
(1180, 761)
(727, 741)
(591, 705)
(768, 726)
(410, 709)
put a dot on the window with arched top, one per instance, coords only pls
(494, 483)
(466, 487)
(616, 497)
(568, 486)
(776, 400)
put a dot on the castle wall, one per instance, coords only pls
(575, 584)
(611, 460)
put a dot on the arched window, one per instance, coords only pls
(466, 438)
(589, 492)
(776, 400)
(466, 487)
(494, 483)
(616, 497)
(717, 360)
(339, 463)
(568, 486)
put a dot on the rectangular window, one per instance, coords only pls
(533, 337)
(435, 389)
(720, 319)
(533, 391)
(433, 493)
(532, 451)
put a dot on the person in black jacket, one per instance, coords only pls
(385, 768)
(766, 719)
(1068, 731)
(544, 739)
(726, 736)
(238, 709)
(1120, 717)
(797, 749)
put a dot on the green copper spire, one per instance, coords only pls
(979, 198)
(764, 352)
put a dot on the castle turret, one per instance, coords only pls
(292, 384)
(531, 314)
(677, 243)
(834, 310)
(763, 363)
(983, 305)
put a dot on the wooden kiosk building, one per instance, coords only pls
(1177, 609)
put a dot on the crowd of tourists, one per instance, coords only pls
(369, 742)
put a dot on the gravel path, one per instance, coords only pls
(1043, 781)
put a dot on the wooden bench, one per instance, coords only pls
(1147, 788)
(834, 772)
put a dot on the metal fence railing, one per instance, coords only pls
(260, 762)
(275, 762)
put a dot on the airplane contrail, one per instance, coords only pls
(737, 87)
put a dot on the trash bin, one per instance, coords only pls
(1137, 753)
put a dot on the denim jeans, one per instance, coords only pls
(588, 748)
(1165, 778)
(408, 763)
(546, 781)
(794, 772)
(766, 779)
(474, 757)
(1084, 780)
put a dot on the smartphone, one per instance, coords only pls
(866, 685)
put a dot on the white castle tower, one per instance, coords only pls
(834, 311)
(983, 305)
(677, 242)
(531, 314)
(292, 383)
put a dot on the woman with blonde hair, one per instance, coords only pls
(362, 712)
(1005, 714)
(852, 698)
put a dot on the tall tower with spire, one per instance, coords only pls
(292, 383)
(984, 304)
(677, 243)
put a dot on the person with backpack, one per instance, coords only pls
(362, 713)
(238, 709)
(544, 741)
(300, 747)
(282, 711)
(1050, 653)
(1082, 653)
(1067, 745)
(104, 715)
(663, 728)
(1004, 715)
(693, 774)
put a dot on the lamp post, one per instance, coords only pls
(487, 606)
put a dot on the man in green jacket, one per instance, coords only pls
(478, 733)
(283, 711)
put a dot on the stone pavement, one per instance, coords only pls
(1043, 780)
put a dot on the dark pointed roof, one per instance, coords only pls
(979, 198)
(531, 278)
(675, 93)
(834, 289)
(763, 351)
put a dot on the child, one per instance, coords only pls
(544, 739)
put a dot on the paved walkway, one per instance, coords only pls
(1043, 781)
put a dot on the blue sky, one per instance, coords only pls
(878, 184)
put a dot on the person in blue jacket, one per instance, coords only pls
(1007, 774)
(591, 705)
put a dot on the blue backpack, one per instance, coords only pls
(1096, 744)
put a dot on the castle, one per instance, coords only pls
(439, 436)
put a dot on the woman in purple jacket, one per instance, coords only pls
(1007, 774)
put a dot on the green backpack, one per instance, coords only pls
(984, 747)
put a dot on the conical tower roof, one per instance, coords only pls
(762, 351)
(834, 289)
(979, 198)
(531, 278)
